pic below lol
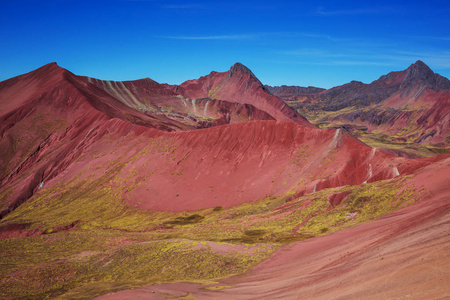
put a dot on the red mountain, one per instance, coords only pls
(216, 99)
(78, 117)
(240, 85)
(111, 157)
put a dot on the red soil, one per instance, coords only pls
(231, 164)
(60, 125)
(402, 255)
(17, 230)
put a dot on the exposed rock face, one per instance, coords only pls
(238, 69)
(49, 117)
(420, 74)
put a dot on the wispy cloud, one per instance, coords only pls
(314, 35)
(314, 52)
(431, 37)
(215, 37)
(359, 63)
(435, 59)
(353, 11)
(256, 35)
(184, 6)
(364, 57)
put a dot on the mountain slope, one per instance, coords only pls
(406, 112)
(55, 109)
(240, 85)
(403, 253)
(104, 187)
(162, 100)
(218, 98)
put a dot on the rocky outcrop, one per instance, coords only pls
(420, 74)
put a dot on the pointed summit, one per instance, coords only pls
(53, 66)
(420, 74)
(419, 71)
(239, 69)
(240, 85)
(47, 71)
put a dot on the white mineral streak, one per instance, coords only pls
(132, 97)
(194, 107)
(396, 172)
(206, 108)
(334, 141)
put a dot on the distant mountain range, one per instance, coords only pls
(405, 107)
(409, 82)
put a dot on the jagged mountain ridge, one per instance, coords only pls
(411, 106)
(356, 93)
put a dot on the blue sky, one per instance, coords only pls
(318, 43)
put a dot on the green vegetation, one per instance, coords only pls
(93, 243)
(115, 246)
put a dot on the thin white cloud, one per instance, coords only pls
(314, 35)
(359, 63)
(441, 38)
(365, 57)
(215, 37)
(435, 59)
(183, 6)
(352, 11)
(314, 52)
(247, 36)
(335, 63)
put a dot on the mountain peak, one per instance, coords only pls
(50, 66)
(50, 69)
(419, 69)
(419, 73)
(419, 63)
(239, 69)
